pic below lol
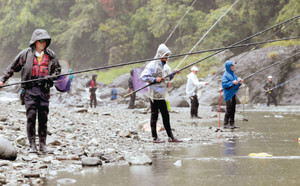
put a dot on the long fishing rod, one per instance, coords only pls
(145, 60)
(271, 65)
(267, 67)
(207, 32)
(284, 82)
(258, 33)
(284, 27)
(180, 21)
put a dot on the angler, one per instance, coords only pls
(230, 85)
(35, 62)
(270, 92)
(154, 72)
(192, 87)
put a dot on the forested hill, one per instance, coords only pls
(91, 33)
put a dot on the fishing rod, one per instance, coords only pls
(284, 83)
(284, 27)
(207, 32)
(267, 67)
(180, 21)
(258, 33)
(145, 60)
(271, 65)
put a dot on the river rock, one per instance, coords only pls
(91, 161)
(125, 133)
(139, 159)
(7, 150)
(21, 140)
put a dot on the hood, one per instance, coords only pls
(228, 64)
(39, 34)
(162, 50)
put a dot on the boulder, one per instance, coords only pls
(139, 159)
(7, 150)
(91, 161)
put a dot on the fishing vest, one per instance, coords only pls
(40, 69)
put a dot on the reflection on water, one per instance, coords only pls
(225, 163)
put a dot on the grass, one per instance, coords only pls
(283, 43)
(205, 68)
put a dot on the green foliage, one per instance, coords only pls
(93, 33)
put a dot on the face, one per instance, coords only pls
(165, 59)
(40, 45)
(270, 79)
(232, 67)
(195, 72)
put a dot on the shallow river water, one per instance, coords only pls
(224, 163)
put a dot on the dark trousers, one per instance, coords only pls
(162, 107)
(194, 106)
(269, 97)
(230, 111)
(132, 100)
(37, 103)
(93, 99)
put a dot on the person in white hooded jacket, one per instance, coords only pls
(192, 87)
(156, 72)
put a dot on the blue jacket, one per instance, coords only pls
(229, 88)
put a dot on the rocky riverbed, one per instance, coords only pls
(107, 135)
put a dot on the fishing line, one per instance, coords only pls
(258, 33)
(207, 32)
(180, 21)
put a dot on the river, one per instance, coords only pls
(224, 163)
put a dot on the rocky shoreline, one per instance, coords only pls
(104, 136)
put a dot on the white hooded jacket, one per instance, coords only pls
(192, 85)
(155, 69)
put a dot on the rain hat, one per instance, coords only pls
(194, 68)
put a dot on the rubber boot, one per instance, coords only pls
(32, 145)
(43, 147)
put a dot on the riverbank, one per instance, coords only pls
(111, 133)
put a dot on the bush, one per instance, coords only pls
(273, 55)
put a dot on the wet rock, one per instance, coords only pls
(139, 159)
(91, 161)
(21, 140)
(7, 150)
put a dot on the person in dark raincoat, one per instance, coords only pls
(270, 93)
(155, 72)
(35, 62)
(92, 84)
(230, 85)
(131, 89)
